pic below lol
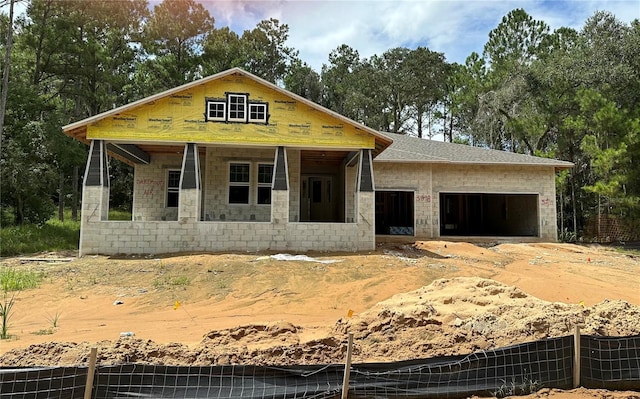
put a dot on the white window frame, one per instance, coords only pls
(171, 189)
(238, 184)
(268, 185)
(265, 111)
(223, 118)
(243, 103)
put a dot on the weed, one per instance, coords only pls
(30, 238)
(13, 280)
(44, 331)
(17, 280)
(171, 281)
(53, 320)
(514, 388)
(115, 214)
(5, 314)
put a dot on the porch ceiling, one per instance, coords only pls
(315, 157)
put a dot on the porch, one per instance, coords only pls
(239, 199)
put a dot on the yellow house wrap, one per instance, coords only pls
(182, 117)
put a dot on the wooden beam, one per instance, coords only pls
(131, 152)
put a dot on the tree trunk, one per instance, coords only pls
(573, 203)
(561, 203)
(61, 196)
(19, 210)
(5, 72)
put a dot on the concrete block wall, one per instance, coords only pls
(150, 189)
(153, 237)
(279, 207)
(216, 183)
(189, 206)
(351, 178)
(366, 221)
(293, 161)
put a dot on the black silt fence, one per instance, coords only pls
(43, 382)
(610, 363)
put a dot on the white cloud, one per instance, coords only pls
(453, 27)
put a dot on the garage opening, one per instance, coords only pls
(488, 214)
(394, 213)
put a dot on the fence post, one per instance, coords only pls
(576, 356)
(347, 369)
(88, 388)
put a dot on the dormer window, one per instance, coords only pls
(258, 113)
(236, 108)
(216, 111)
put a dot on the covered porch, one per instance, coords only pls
(214, 198)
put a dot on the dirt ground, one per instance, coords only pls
(401, 301)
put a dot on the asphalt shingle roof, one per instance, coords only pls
(414, 149)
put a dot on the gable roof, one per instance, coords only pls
(409, 149)
(78, 130)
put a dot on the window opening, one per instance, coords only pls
(216, 111)
(258, 113)
(265, 179)
(239, 183)
(173, 188)
(237, 107)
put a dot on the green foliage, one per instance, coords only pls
(115, 214)
(171, 281)
(264, 52)
(174, 33)
(29, 238)
(12, 279)
(6, 307)
(53, 319)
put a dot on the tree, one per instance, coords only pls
(609, 130)
(303, 81)
(337, 78)
(508, 115)
(6, 66)
(427, 77)
(264, 51)
(174, 38)
(222, 51)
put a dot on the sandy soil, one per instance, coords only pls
(401, 301)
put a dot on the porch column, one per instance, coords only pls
(95, 190)
(365, 208)
(280, 188)
(95, 198)
(190, 187)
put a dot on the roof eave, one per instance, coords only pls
(558, 166)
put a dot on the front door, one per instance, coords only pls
(319, 202)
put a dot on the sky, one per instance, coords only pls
(453, 27)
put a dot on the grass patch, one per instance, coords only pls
(28, 239)
(17, 280)
(44, 331)
(171, 281)
(115, 214)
